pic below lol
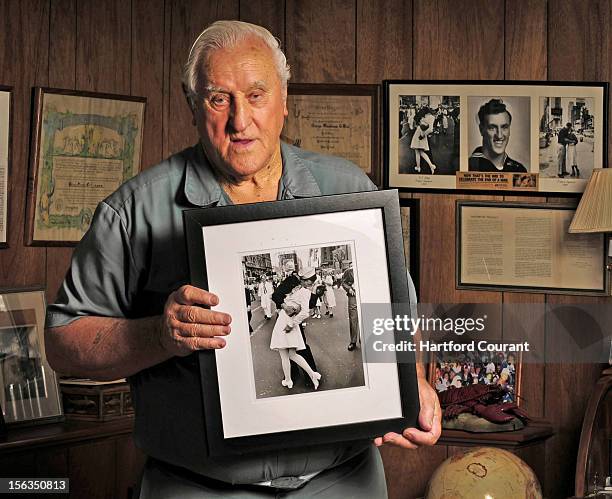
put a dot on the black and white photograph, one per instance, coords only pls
(566, 137)
(303, 321)
(428, 134)
(295, 276)
(498, 134)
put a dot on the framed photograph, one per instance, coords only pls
(409, 212)
(29, 391)
(84, 146)
(337, 119)
(527, 247)
(512, 136)
(5, 157)
(278, 268)
(452, 369)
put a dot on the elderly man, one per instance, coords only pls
(126, 310)
(494, 121)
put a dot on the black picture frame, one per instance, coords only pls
(412, 237)
(532, 100)
(206, 220)
(532, 214)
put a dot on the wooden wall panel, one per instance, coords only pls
(188, 19)
(267, 13)
(579, 37)
(321, 40)
(525, 40)
(103, 55)
(458, 39)
(384, 40)
(24, 41)
(62, 74)
(92, 468)
(147, 71)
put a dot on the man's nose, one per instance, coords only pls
(240, 116)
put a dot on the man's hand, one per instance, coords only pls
(430, 420)
(187, 326)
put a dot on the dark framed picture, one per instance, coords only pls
(449, 370)
(337, 119)
(273, 266)
(409, 212)
(84, 146)
(507, 246)
(29, 392)
(5, 157)
(514, 136)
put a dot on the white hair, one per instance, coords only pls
(227, 34)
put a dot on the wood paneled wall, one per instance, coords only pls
(138, 47)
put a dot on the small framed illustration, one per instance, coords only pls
(527, 247)
(5, 157)
(252, 398)
(514, 136)
(337, 119)
(84, 146)
(409, 211)
(29, 391)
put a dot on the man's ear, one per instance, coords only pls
(285, 111)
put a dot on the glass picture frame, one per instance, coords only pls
(366, 229)
(29, 387)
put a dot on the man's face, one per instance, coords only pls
(241, 115)
(495, 131)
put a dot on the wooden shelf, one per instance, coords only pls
(66, 432)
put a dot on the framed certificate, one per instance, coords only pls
(251, 399)
(527, 247)
(85, 145)
(337, 119)
(5, 156)
(516, 136)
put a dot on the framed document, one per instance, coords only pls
(512, 136)
(252, 401)
(5, 156)
(29, 391)
(336, 119)
(527, 247)
(85, 145)
(409, 212)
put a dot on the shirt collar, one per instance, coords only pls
(203, 189)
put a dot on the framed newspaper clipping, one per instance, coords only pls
(252, 399)
(84, 146)
(527, 247)
(337, 119)
(509, 136)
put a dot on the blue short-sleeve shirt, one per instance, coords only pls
(130, 260)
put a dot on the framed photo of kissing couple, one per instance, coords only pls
(296, 276)
(516, 136)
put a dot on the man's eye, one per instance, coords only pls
(219, 100)
(256, 96)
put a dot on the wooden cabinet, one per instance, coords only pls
(100, 459)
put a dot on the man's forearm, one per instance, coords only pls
(105, 348)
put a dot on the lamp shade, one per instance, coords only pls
(594, 213)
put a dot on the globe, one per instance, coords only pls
(484, 473)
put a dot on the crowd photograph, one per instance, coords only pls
(485, 368)
(303, 320)
(429, 134)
